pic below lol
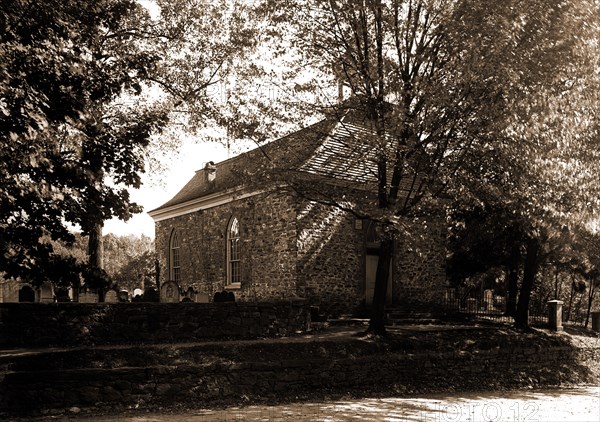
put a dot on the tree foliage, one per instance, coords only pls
(85, 88)
(451, 89)
(66, 158)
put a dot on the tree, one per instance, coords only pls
(75, 128)
(435, 79)
(540, 166)
(138, 272)
(129, 260)
(484, 238)
(63, 61)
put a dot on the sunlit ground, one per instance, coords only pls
(580, 404)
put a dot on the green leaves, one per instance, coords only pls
(64, 65)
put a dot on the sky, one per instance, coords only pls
(182, 167)
(152, 195)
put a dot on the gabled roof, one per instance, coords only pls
(291, 151)
(342, 146)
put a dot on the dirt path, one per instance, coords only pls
(579, 404)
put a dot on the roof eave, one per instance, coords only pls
(201, 203)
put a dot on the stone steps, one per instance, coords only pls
(402, 316)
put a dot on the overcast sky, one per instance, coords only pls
(151, 195)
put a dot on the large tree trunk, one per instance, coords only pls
(96, 253)
(386, 251)
(591, 293)
(95, 247)
(529, 273)
(512, 281)
(568, 318)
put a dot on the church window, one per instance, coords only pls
(234, 270)
(174, 258)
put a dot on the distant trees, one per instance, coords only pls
(129, 263)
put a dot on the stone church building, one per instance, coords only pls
(246, 225)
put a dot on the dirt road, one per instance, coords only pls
(579, 404)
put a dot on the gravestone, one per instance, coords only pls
(137, 292)
(62, 295)
(169, 292)
(111, 297)
(26, 294)
(224, 296)
(202, 297)
(472, 305)
(488, 299)
(88, 296)
(151, 295)
(123, 296)
(190, 294)
(47, 292)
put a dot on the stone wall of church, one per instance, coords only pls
(293, 247)
(419, 271)
(268, 247)
(330, 258)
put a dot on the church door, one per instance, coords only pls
(371, 260)
(371, 271)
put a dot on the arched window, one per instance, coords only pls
(234, 268)
(174, 258)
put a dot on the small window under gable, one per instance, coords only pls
(174, 258)
(234, 265)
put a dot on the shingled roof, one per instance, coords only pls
(340, 146)
(290, 151)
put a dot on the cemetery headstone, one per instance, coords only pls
(488, 299)
(169, 292)
(123, 296)
(202, 297)
(472, 304)
(26, 294)
(190, 294)
(47, 292)
(111, 297)
(88, 296)
(62, 295)
(150, 295)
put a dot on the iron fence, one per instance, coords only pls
(489, 306)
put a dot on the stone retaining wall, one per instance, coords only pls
(300, 372)
(72, 324)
